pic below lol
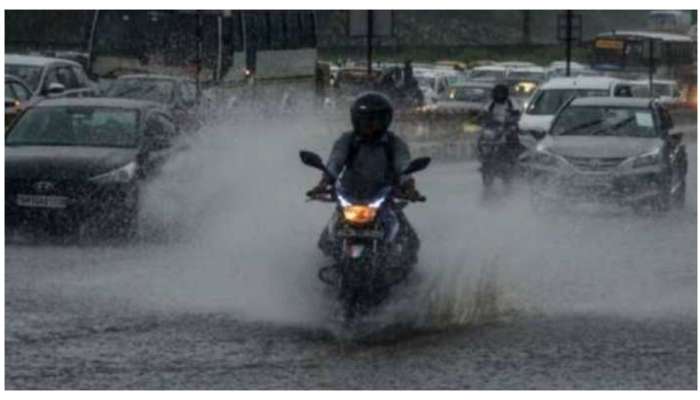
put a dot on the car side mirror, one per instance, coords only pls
(55, 88)
(416, 165)
(675, 137)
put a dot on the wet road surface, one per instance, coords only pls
(220, 292)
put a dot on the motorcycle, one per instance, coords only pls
(370, 252)
(498, 149)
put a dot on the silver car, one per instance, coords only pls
(609, 149)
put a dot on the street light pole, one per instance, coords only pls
(370, 33)
(569, 18)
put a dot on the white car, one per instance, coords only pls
(665, 90)
(540, 109)
(535, 74)
(494, 72)
(434, 82)
(558, 69)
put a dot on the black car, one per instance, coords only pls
(50, 77)
(67, 160)
(176, 93)
(610, 149)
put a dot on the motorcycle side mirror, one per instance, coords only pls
(416, 165)
(312, 160)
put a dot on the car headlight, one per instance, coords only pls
(122, 174)
(646, 160)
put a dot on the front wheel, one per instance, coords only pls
(487, 178)
(679, 195)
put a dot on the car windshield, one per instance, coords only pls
(470, 94)
(158, 90)
(549, 101)
(488, 74)
(605, 121)
(75, 126)
(31, 75)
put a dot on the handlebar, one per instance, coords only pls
(329, 197)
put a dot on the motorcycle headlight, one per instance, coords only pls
(122, 174)
(646, 160)
(359, 215)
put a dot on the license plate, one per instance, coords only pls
(26, 200)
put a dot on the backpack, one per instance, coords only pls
(388, 152)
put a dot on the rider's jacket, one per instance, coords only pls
(499, 112)
(364, 166)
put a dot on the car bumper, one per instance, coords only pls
(624, 189)
(81, 202)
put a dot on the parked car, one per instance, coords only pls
(50, 77)
(17, 98)
(67, 160)
(610, 149)
(176, 93)
(540, 110)
(469, 97)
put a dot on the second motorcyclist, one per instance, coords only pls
(499, 117)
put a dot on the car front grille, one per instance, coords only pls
(73, 189)
(595, 163)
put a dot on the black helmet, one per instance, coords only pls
(371, 113)
(499, 93)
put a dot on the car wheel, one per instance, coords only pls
(487, 179)
(127, 218)
(679, 196)
(662, 201)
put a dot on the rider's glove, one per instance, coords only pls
(323, 186)
(408, 189)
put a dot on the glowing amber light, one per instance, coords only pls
(359, 214)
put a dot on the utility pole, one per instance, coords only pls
(651, 68)
(198, 61)
(370, 33)
(569, 39)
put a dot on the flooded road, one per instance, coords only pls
(220, 291)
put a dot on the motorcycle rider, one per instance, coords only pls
(500, 107)
(368, 158)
